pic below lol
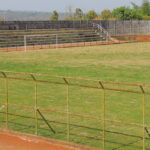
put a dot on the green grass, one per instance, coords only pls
(123, 63)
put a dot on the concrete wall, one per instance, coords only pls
(113, 27)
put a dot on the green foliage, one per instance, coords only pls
(146, 7)
(91, 15)
(106, 14)
(54, 16)
(146, 17)
(125, 13)
(78, 15)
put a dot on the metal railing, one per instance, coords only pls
(9, 81)
(101, 30)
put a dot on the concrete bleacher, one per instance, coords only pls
(15, 38)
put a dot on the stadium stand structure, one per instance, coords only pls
(15, 38)
(12, 33)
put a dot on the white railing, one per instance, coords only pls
(101, 29)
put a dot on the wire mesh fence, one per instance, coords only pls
(107, 115)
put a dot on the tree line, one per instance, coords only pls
(122, 13)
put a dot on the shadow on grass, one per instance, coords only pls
(31, 128)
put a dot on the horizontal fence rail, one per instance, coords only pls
(42, 114)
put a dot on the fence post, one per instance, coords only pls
(143, 121)
(103, 114)
(115, 27)
(56, 41)
(35, 104)
(68, 111)
(6, 86)
(36, 115)
(25, 43)
(6, 83)
(103, 119)
(68, 115)
(143, 109)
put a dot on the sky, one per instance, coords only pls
(62, 5)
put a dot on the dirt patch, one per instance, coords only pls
(40, 47)
(10, 140)
(143, 39)
(131, 38)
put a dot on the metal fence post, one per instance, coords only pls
(6, 88)
(68, 115)
(35, 104)
(143, 109)
(6, 84)
(103, 114)
(56, 41)
(68, 110)
(36, 115)
(143, 121)
(103, 119)
(25, 43)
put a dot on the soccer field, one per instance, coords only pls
(124, 62)
(117, 63)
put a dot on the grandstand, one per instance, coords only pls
(47, 34)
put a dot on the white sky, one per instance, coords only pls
(61, 5)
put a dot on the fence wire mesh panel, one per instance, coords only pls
(106, 115)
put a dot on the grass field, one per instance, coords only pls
(124, 63)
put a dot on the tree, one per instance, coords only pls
(91, 15)
(125, 13)
(106, 14)
(146, 7)
(54, 16)
(78, 13)
(135, 6)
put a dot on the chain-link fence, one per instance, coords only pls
(113, 26)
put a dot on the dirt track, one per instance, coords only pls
(38, 47)
(9, 142)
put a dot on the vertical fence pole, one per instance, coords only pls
(103, 114)
(103, 121)
(36, 115)
(56, 41)
(6, 84)
(68, 115)
(143, 109)
(143, 121)
(35, 104)
(25, 43)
